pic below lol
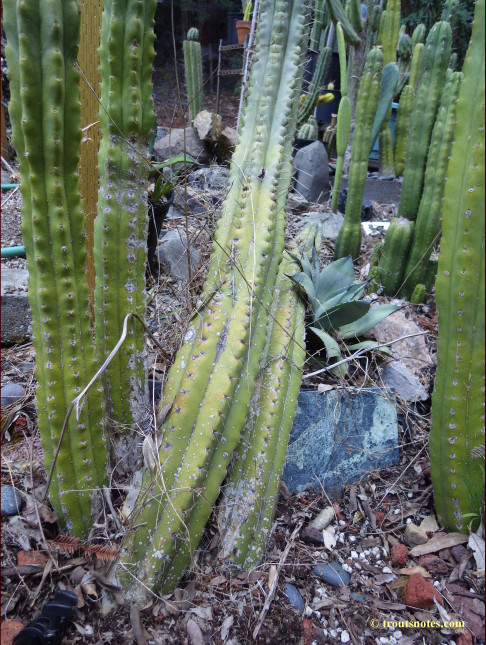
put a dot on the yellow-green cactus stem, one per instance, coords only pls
(418, 35)
(427, 225)
(393, 254)
(193, 72)
(338, 14)
(120, 229)
(349, 237)
(418, 294)
(42, 43)
(343, 127)
(225, 341)
(434, 63)
(457, 428)
(308, 130)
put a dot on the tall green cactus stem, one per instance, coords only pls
(393, 254)
(343, 127)
(349, 238)
(193, 73)
(248, 499)
(427, 224)
(309, 104)
(389, 37)
(42, 43)
(418, 35)
(338, 14)
(434, 63)
(225, 342)
(404, 112)
(120, 229)
(319, 23)
(458, 400)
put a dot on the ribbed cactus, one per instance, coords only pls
(338, 14)
(120, 230)
(418, 294)
(193, 73)
(431, 83)
(427, 224)
(320, 21)
(308, 130)
(349, 238)
(393, 255)
(42, 43)
(309, 104)
(212, 380)
(457, 428)
(248, 500)
(418, 35)
(343, 127)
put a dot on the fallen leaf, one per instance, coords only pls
(79, 596)
(329, 537)
(226, 626)
(31, 557)
(148, 452)
(399, 583)
(218, 580)
(409, 571)
(476, 544)
(90, 590)
(439, 542)
(322, 387)
(429, 524)
(194, 632)
(272, 572)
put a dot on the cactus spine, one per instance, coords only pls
(343, 127)
(432, 76)
(193, 71)
(458, 399)
(309, 104)
(120, 230)
(427, 224)
(349, 238)
(46, 127)
(225, 343)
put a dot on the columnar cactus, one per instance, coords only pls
(320, 21)
(193, 72)
(42, 43)
(212, 380)
(343, 127)
(248, 499)
(338, 14)
(427, 224)
(120, 230)
(458, 400)
(307, 108)
(393, 255)
(349, 237)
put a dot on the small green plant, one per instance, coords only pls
(337, 313)
(247, 12)
(163, 186)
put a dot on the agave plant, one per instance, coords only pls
(337, 313)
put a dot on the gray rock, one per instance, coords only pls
(397, 376)
(226, 144)
(294, 596)
(172, 252)
(332, 573)
(11, 500)
(338, 436)
(331, 223)
(209, 126)
(173, 144)
(213, 178)
(16, 323)
(311, 170)
(11, 393)
(359, 597)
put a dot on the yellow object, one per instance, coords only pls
(325, 98)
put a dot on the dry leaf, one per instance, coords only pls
(409, 571)
(148, 452)
(439, 542)
(31, 557)
(429, 524)
(329, 537)
(226, 626)
(90, 590)
(79, 596)
(218, 580)
(322, 387)
(476, 544)
(272, 572)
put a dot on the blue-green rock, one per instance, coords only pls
(294, 597)
(332, 574)
(338, 436)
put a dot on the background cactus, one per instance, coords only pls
(46, 129)
(308, 130)
(393, 255)
(193, 72)
(320, 21)
(120, 230)
(458, 399)
(307, 108)
(212, 379)
(343, 126)
(349, 238)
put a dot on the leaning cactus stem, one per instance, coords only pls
(457, 428)
(343, 127)
(193, 72)
(42, 43)
(309, 104)
(120, 234)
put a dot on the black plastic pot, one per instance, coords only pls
(233, 16)
(157, 214)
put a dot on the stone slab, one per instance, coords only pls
(16, 323)
(382, 191)
(338, 436)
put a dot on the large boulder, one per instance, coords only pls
(179, 140)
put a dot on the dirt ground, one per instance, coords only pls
(213, 604)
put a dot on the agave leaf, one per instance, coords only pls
(335, 276)
(370, 345)
(345, 314)
(345, 294)
(306, 284)
(185, 158)
(362, 325)
(333, 351)
(315, 264)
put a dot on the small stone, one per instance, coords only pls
(11, 500)
(172, 252)
(16, 326)
(310, 535)
(433, 564)
(332, 573)
(459, 552)
(294, 597)
(9, 629)
(420, 593)
(399, 555)
(312, 173)
(11, 393)
(414, 535)
(323, 519)
(398, 377)
(209, 126)
(465, 639)
(213, 178)
(359, 597)
(178, 141)
(345, 637)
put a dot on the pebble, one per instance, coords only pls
(11, 393)
(345, 637)
(459, 552)
(332, 573)
(11, 500)
(359, 597)
(294, 597)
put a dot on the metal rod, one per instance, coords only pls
(218, 75)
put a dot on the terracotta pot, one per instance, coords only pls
(243, 28)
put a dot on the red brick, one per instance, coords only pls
(420, 593)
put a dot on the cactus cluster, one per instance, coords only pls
(46, 129)
(193, 72)
(457, 428)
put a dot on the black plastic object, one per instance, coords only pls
(367, 210)
(49, 627)
(157, 214)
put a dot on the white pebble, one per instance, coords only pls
(409, 495)
(387, 570)
(333, 633)
(362, 556)
(375, 551)
(436, 583)
(347, 568)
(398, 634)
(409, 520)
(308, 611)
(342, 523)
(345, 637)
(352, 538)
(358, 566)
(354, 555)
